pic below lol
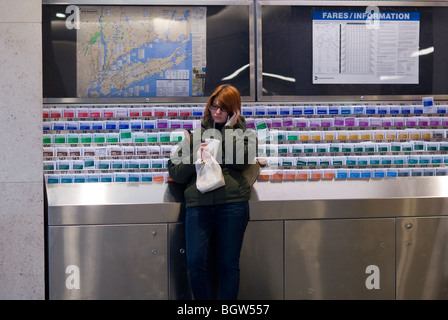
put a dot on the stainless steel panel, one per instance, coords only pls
(333, 199)
(74, 194)
(111, 203)
(330, 259)
(115, 203)
(179, 281)
(113, 214)
(261, 263)
(343, 209)
(331, 232)
(108, 262)
(422, 258)
(386, 188)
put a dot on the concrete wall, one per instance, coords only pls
(21, 193)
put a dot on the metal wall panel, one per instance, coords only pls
(179, 281)
(108, 262)
(340, 259)
(422, 258)
(304, 241)
(261, 263)
(126, 203)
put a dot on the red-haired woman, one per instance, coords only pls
(223, 211)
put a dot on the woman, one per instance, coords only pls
(224, 210)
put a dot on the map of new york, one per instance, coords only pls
(132, 51)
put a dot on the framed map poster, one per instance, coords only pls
(137, 51)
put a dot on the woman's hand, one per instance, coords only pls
(204, 152)
(233, 119)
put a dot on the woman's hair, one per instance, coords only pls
(229, 99)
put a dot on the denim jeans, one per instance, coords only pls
(228, 223)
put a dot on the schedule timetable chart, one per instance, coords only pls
(365, 47)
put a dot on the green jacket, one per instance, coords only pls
(182, 169)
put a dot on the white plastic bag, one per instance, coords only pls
(209, 175)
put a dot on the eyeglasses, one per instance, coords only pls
(214, 107)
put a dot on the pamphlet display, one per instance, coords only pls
(299, 142)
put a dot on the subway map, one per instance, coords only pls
(135, 51)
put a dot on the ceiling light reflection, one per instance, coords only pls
(423, 52)
(277, 76)
(237, 72)
(265, 74)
